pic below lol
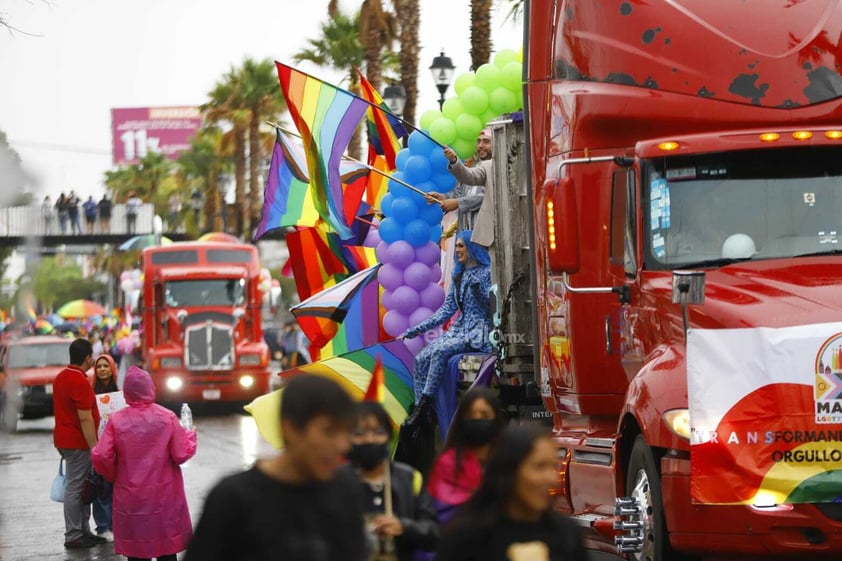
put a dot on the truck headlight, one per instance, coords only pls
(174, 383)
(249, 360)
(170, 362)
(247, 381)
(678, 420)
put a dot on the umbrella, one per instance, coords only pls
(218, 237)
(55, 319)
(139, 242)
(43, 327)
(80, 309)
(353, 372)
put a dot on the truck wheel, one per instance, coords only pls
(643, 483)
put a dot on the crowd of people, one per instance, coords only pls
(65, 214)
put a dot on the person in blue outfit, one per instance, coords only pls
(468, 294)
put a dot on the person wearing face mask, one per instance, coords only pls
(400, 520)
(457, 471)
(510, 516)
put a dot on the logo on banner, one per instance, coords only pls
(828, 383)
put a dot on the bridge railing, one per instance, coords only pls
(23, 221)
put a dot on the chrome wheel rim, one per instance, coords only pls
(642, 494)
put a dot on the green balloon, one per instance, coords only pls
(428, 117)
(502, 58)
(474, 100)
(489, 116)
(463, 82)
(468, 127)
(452, 108)
(488, 77)
(464, 148)
(443, 130)
(511, 76)
(519, 94)
(502, 100)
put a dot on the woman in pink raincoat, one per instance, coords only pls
(141, 451)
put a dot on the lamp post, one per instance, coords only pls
(442, 71)
(395, 97)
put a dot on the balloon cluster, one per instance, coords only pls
(131, 280)
(481, 96)
(409, 234)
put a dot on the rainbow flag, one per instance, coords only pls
(376, 391)
(362, 326)
(384, 129)
(326, 118)
(377, 184)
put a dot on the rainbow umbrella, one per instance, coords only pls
(80, 309)
(353, 372)
(43, 327)
(218, 237)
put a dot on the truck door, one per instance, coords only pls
(623, 264)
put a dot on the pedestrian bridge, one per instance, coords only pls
(24, 226)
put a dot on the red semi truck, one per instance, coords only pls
(202, 338)
(652, 133)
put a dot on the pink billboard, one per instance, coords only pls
(139, 130)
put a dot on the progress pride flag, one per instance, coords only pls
(140, 130)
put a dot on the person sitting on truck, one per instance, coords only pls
(469, 196)
(468, 294)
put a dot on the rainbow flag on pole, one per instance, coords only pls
(384, 129)
(326, 118)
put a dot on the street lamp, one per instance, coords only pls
(395, 98)
(442, 70)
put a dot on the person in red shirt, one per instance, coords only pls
(77, 420)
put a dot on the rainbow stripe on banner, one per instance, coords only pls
(326, 118)
(384, 129)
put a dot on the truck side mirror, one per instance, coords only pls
(562, 226)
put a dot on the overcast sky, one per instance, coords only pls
(74, 60)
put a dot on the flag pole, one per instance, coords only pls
(350, 159)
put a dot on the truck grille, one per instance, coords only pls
(209, 347)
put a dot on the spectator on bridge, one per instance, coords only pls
(174, 211)
(104, 206)
(63, 212)
(90, 214)
(132, 206)
(47, 213)
(73, 213)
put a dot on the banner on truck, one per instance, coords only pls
(137, 131)
(765, 414)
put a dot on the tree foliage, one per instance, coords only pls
(57, 280)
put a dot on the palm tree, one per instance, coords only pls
(480, 32)
(408, 18)
(261, 94)
(377, 30)
(202, 166)
(339, 47)
(227, 105)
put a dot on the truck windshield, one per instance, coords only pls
(216, 292)
(38, 355)
(714, 209)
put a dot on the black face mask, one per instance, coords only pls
(367, 456)
(479, 432)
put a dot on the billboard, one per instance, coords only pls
(137, 131)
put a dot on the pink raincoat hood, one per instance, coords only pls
(138, 387)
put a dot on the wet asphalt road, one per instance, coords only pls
(32, 526)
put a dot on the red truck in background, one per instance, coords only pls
(728, 115)
(202, 338)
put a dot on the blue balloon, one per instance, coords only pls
(427, 186)
(417, 169)
(390, 230)
(438, 161)
(435, 233)
(394, 185)
(386, 204)
(444, 182)
(401, 157)
(404, 210)
(417, 233)
(420, 144)
(431, 214)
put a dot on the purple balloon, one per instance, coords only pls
(417, 276)
(432, 297)
(428, 254)
(419, 315)
(394, 323)
(386, 300)
(405, 300)
(390, 277)
(372, 238)
(435, 273)
(380, 251)
(415, 345)
(400, 254)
